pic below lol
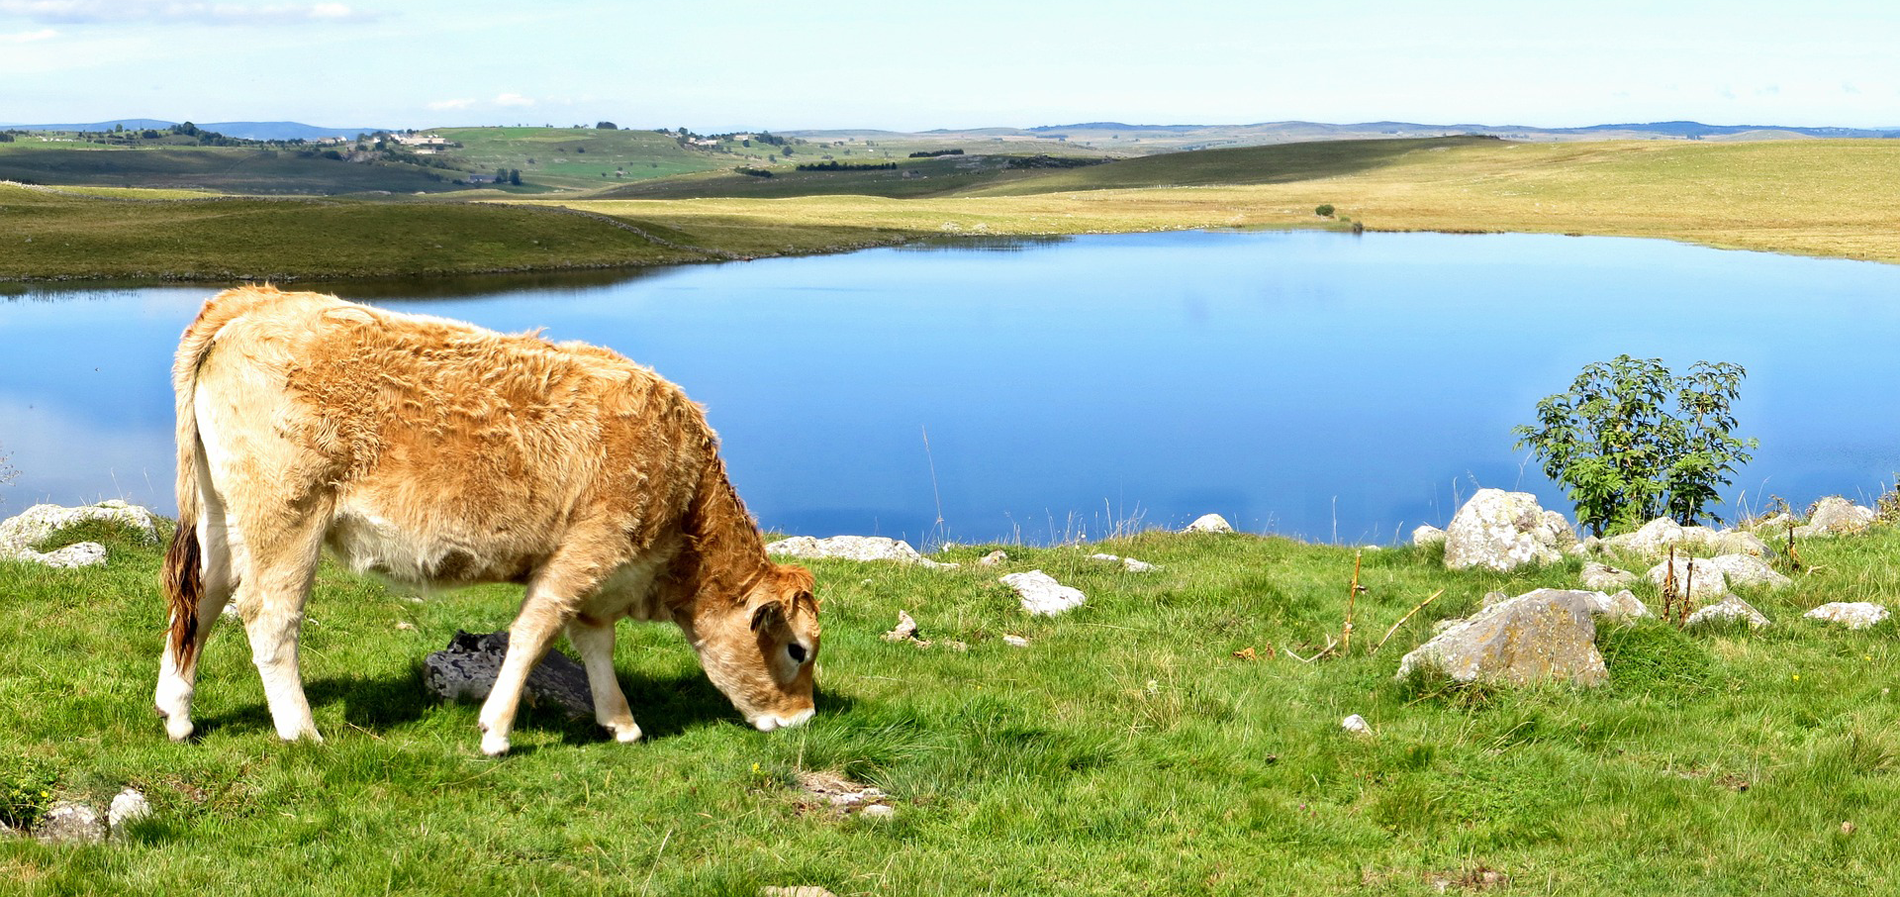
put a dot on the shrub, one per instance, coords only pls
(1632, 441)
(1324, 211)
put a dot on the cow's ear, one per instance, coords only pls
(766, 613)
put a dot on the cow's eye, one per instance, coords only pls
(797, 651)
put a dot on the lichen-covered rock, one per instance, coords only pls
(1128, 564)
(1745, 571)
(466, 670)
(68, 823)
(1042, 595)
(1603, 577)
(1502, 530)
(1546, 635)
(1852, 614)
(1209, 523)
(1622, 606)
(1835, 515)
(1697, 577)
(1428, 535)
(35, 524)
(1730, 609)
(72, 557)
(851, 548)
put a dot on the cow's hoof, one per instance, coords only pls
(493, 744)
(625, 733)
(178, 728)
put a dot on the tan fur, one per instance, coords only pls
(433, 451)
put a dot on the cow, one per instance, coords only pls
(433, 452)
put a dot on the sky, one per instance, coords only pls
(721, 66)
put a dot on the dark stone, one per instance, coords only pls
(466, 670)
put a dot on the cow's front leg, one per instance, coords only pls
(595, 641)
(533, 631)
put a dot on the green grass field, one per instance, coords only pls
(212, 169)
(1126, 750)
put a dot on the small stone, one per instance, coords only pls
(1729, 609)
(69, 823)
(406, 626)
(1603, 577)
(994, 558)
(1129, 564)
(1356, 724)
(1699, 576)
(1015, 641)
(1848, 828)
(1428, 535)
(1852, 614)
(127, 807)
(794, 891)
(1209, 523)
(72, 557)
(1042, 595)
(905, 630)
(878, 811)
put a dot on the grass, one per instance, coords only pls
(1125, 750)
(212, 169)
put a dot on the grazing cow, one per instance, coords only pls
(434, 452)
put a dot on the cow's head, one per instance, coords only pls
(761, 651)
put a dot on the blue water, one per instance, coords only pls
(1334, 387)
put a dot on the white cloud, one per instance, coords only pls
(120, 11)
(452, 104)
(513, 99)
(27, 37)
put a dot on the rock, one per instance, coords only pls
(1357, 725)
(1603, 577)
(1852, 614)
(1622, 606)
(1729, 609)
(906, 629)
(128, 806)
(1209, 523)
(1776, 524)
(35, 524)
(69, 823)
(794, 891)
(1731, 541)
(1129, 564)
(465, 671)
(878, 811)
(1015, 641)
(78, 554)
(1492, 597)
(1838, 516)
(852, 548)
(1544, 635)
(994, 558)
(1502, 530)
(1707, 580)
(1042, 595)
(1746, 571)
(1428, 535)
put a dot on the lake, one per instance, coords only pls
(1327, 386)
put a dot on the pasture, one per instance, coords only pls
(1127, 749)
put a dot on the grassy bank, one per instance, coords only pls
(1126, 750)
(1835, 198)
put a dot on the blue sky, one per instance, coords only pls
(961, 63)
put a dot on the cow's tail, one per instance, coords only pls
(183, 577)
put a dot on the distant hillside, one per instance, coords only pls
(246, 130)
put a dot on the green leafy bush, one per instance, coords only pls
(1633, 441)
(1324, 211)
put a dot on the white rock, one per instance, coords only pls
(1852, 614)
(1356, 724)
(1129, 564)
(1729, 609)
(1428, 535)
(33, 525)
(1837, 515)
(1502, 530)
(1746, 570)
(1015, 641)
(74, 556)
(906, 629)
(127, 806)
(68, 823)
(852, 548)
(878, 811)
(1621, 606)
(1042, 595)
(1209, 523)
(1698, 575)
(1547, 634)
(993, 558)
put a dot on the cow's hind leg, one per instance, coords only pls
(276, 585)
(220, 552)
(595, 641)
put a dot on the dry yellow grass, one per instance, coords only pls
(1838, 198)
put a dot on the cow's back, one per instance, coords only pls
(448, 453)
